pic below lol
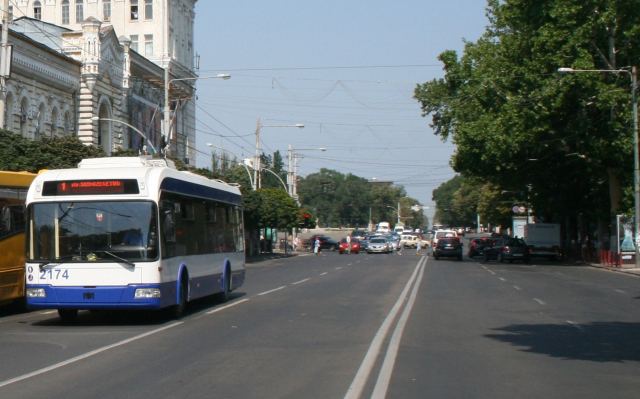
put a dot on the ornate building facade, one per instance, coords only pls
(123, 47)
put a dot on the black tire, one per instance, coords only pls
(177, 310)
(68, 316)
(436, 257)
(223, 297)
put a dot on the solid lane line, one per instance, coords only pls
(382, 385)
(270, 291)
(226, 307)
(360, 380)
(86, 355)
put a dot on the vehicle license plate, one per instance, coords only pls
(517, 254)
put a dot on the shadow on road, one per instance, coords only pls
(597, 342)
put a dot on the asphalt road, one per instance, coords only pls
(346, 326)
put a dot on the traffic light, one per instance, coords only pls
(306, 219)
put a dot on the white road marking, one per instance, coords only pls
(490, 271)
(226, 307)
(322, 274)
(484, 267)
(518, 288)
(382, 385)
(86, 355)
(270, 291)
(502, 279)
(338, 268)
(360, 380)
(301, 281)
(576, 325)
(620, 291)
(540, 301)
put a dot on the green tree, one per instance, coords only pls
(524, 128)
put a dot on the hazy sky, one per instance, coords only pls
(346, 69)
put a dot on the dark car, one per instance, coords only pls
(325, 242)
(507, 249)
(448, 247)
(359, 233)
(478, 245)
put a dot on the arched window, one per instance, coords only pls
(54, 122)
(37, 10)
(40, 132)
(65, 12)
(79, 11)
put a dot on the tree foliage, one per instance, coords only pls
(564, 140)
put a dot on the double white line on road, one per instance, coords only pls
(362, 376)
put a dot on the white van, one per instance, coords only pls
(383, 227)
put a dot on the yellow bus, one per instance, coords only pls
(13, 192)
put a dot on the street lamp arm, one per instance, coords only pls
(279, 178)
(97, 118)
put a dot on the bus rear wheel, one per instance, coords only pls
(68, 316)
(224, 295)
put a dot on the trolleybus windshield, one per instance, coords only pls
(92, 231)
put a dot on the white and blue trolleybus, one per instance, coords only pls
(130, 233)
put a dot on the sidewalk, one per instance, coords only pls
(614, 269)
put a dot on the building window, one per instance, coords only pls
(79, 11)
(65, 12)
(148, 9)
(106, 10)
(37, 10)
(148, 44)
(134, 10)
(134, 42)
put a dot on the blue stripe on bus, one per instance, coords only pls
(98, 297)
(197, 190)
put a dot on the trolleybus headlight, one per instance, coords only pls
(36, 293)
(147, 293)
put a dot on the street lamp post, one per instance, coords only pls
(633, 73)
(291, 176)
(256, 163)
(167, 108)
(149, 144)
(243, 163)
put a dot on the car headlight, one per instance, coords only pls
(147, 293)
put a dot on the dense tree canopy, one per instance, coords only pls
(563, 141)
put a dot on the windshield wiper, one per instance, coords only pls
(128, 262)
(56, 261)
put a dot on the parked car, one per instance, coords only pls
(379, 244)
(509, 249)
(448, 247)
(359, 233)
(325, 242)
(355, 246)
(477, 246)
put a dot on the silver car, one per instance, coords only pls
(379, 244)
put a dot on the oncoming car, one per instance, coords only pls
(379, 244)
(355, 246)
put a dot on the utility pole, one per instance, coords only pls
(4, 61)
(256, 163)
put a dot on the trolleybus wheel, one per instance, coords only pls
(178, 309)
(224, 295)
